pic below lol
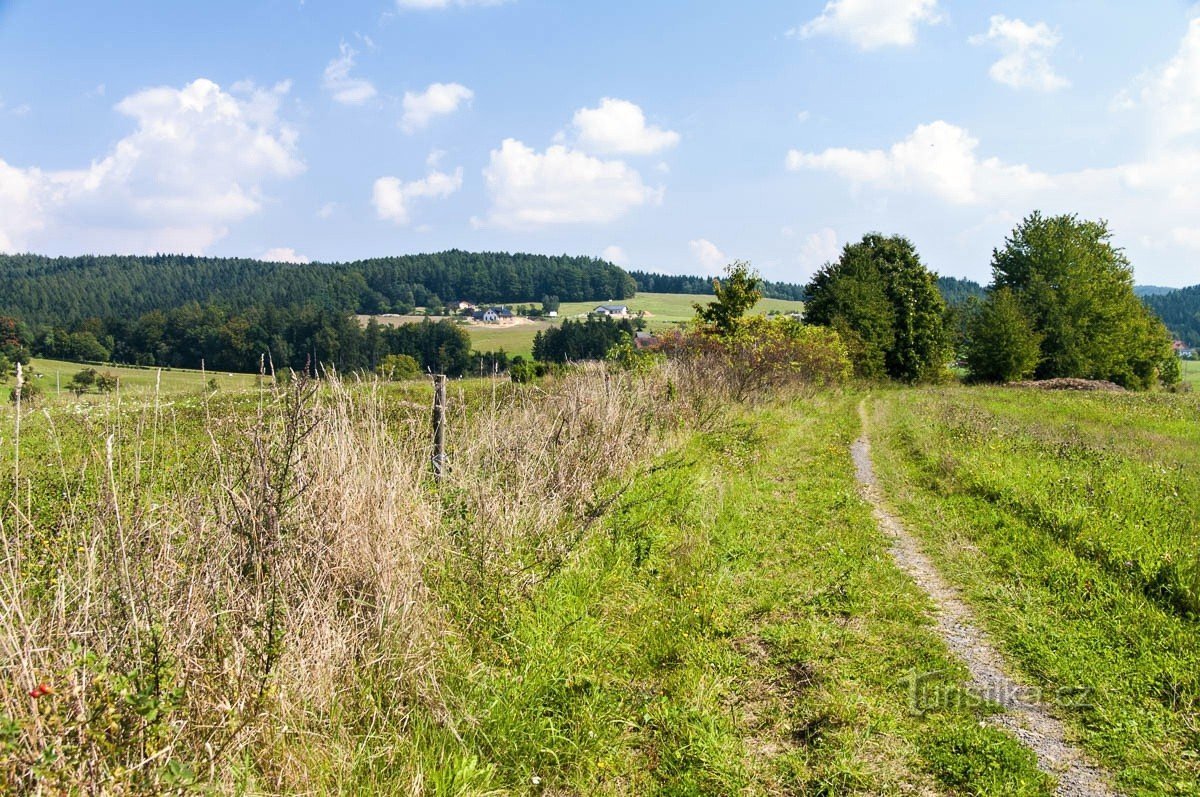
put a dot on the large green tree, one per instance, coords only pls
(1001, 344)
(887, 307)
(1076, 291)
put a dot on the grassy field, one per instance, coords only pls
(1191, 373)
(618, 588)
(666, 308)
(54, 376)
(663, 310)
(1069, 520)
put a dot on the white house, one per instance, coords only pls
(612, 310)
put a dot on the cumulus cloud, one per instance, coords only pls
(938, 158)
(871, 24)
(615, 255)
(195, 163)
(439, 99)
(560, 186)
(1025, 54)
(339, 83)
(706, 253)
(392, 196)
(283, 254)
(618, 127)
(1171, 93)
(818, 248)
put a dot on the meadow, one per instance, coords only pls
(664, 310)
(625, 584)
(53, 377)
(1069, 520)
(1191, 373)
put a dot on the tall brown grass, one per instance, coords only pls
(170, 623)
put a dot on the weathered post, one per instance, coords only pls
(439, 425)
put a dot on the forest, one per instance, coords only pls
(66, 290)
(1180, 311)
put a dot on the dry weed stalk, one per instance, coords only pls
(186, 617)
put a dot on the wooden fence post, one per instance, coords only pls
(439, 425)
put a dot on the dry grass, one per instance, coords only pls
(194, 622)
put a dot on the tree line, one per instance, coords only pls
(306, 338)
(66, 290)
(649, 282)
(1061, 304)
(1180, 311)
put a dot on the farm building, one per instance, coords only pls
(612, 310)
(492, 315)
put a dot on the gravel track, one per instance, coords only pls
(1025, 717)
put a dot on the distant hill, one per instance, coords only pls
(1180, 311)
(65, 290)
(956, 291)
(1152, 290)
(649, 282)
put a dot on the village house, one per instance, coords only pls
(492, 315)
(462, 307)
(1183, 350)
(612, 310)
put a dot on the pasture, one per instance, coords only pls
(54, 377)
(621, 587)
(664, 310)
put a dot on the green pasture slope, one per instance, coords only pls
(664, 310)
(1191, 373)
(1070, 522)
(54, 376)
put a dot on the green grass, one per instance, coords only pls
(54, 376)
(735, 627)
(1069, 520)
(514, 340)
(665, 310)
(1191, 372)
(672, 307)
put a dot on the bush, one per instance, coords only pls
(28, 393)
(398, 367)
(760, 356)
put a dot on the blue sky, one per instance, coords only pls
(669, 136)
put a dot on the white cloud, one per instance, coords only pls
(871, 24)
(392, 197)
(327, 210)
(437, 100)
(618, 127)
(803, 116)
(706, 253)
(283, 254)
(195, 163)
(1172, 93)
(346, 89)
(560, 186)
(615, 255)
(1025, 59)
(937, 158)
(819, 248)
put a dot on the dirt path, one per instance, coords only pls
(1023, 717)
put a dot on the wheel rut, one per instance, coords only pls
(1023, 716)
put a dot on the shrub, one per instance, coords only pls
(760, 356)
(398, 367)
